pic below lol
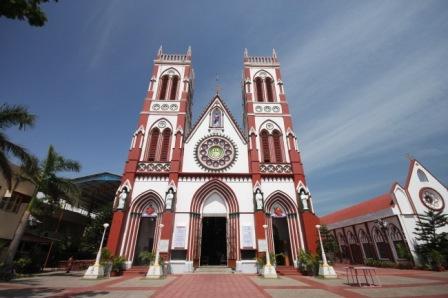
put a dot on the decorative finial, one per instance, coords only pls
(159, 52)
(189, 51)
(274, 53)
(218, 87)
(410, 157)
(246, 54)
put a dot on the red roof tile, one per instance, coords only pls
(373, 205)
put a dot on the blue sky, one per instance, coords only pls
(367, 81)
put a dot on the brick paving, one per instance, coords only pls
(396, 283)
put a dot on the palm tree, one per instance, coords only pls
(10, 116)
(54, 188)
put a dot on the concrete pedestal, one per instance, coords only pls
(94, 272)
(154, 272)
(269, 272)
(327, 271)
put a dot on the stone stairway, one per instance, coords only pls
(136, 270)
(287, 270)
(213, 270)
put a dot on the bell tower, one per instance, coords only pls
(273, 148)
(156, 145)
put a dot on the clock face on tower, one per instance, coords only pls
(431, 199)
(215, 152)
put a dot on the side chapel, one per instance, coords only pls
(202, 193)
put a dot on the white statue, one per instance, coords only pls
(122, 198)
(259, 199)
(169, 199)
(304, 198)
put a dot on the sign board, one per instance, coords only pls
(262, 246)
(179, 237)
(163, 246)
(247, 236)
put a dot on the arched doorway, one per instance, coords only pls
(214, 231)
(214, 205)
(145, 214)
(283, 232)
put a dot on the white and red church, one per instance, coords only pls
(200, 194)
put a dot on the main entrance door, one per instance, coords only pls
(281, 241)
(214, 244)
(145, 239)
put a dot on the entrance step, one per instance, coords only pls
(136, 270)
(287, 270)
(213, 270)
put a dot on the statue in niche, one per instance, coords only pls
(122, 198)
(169, 199)
(217, 118)
(259, 199)
(304, 197)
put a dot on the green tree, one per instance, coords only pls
(94, 231)
(426, 230)
(24, 9)
(45, 175)
(13, 116)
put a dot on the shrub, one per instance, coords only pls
(118, 263)
(147, 257)
(23, 265)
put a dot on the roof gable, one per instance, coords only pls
(216, 102)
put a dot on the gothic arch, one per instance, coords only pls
(169, 82)
(290, 208)
(200, 196)
(136, 209)
(262, 73)
(158, 141)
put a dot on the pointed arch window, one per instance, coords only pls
(269, 91)
(265, 146)
(276, 140)
(164, 150)
(163, 87)
(174, 85)
(422, 176)
(153, 141)
(259, 89)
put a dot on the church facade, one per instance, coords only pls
(212, 193)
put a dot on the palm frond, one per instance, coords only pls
(18, 151)
(5, 168)
(15, 115)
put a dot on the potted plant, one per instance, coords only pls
(147, 257)
(117, 266)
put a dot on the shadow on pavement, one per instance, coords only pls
(29, 292)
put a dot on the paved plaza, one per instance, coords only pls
(395, 283)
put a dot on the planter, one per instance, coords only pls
(116, 273)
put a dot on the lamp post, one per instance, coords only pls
(325, 270)
(97, 271)
(155, 271)
(268, 269)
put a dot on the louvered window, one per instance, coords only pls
(269, 93)
(152, 150)
(276, 137)
(164, 151)
(174, 83)
(265, 146)
(163, 87)
(259, 87)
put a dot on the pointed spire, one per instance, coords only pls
(189, 51)
(159, 52)
(246, 54)
(274, 53)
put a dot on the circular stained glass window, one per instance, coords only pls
(432, 199)
(215, 152)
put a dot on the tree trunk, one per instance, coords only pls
(14, 245)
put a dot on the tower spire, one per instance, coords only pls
(189, 51)
(246, 54)
(159, 52)
(218, 86)
(274, 53)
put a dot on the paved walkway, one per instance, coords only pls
(396, 283)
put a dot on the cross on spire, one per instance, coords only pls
(218, 86)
